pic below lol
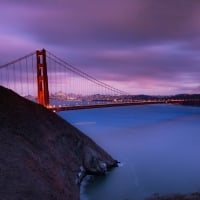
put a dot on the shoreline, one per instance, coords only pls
(44, 156)
(175, 196)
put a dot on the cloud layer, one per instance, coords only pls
(140, 46)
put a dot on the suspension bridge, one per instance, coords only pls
(44, 78)
(56, 84)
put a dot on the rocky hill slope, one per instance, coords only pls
(41, 155)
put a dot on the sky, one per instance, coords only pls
(138, 46)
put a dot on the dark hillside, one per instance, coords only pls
(41, 155)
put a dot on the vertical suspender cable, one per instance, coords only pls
(14, 77)
(0, 76)
(27, 77)
(33, 77)
(6, 77)
(21, 80)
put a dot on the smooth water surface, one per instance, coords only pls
(158, 147)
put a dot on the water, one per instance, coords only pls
(158, 147)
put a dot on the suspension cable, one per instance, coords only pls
(83, 74)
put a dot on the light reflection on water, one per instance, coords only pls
(158, 146)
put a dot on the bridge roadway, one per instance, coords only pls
(114, 104)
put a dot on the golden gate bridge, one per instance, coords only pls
(56, 84)
(43, 77)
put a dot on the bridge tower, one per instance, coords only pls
(42, 78)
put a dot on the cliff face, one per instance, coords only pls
(41, 155)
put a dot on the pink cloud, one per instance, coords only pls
(135, 42)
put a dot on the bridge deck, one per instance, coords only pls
(79, 107)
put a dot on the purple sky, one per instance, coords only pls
(140, 46)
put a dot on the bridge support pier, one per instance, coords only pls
(42, 78)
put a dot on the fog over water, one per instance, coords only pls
(158, 147)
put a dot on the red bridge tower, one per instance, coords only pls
(42, 78)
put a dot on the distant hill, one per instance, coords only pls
(42, 156)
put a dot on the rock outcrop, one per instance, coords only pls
(41, 155)
(192, 196)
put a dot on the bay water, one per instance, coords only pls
(158, 147)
